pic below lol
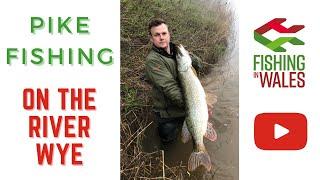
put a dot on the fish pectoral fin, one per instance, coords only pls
(210, 134)
(185, 134)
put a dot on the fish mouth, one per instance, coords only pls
(181, 51)
(178, 50)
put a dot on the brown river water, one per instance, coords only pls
(222, 86)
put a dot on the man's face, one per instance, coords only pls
(160, 36)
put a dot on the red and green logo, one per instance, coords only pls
(276, 44)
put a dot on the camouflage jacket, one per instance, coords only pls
(161, 71)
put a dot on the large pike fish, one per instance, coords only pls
(196, 125)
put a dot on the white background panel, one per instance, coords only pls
(261, 164)
(100, 152)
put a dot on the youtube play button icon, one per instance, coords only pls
(280, 131)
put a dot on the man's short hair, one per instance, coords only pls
(155, 23)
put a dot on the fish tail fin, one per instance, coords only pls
(199, 158)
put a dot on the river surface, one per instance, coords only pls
(223, 86)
